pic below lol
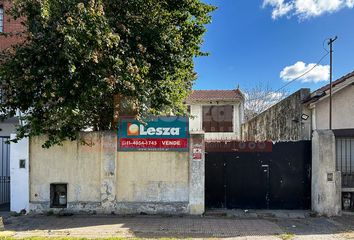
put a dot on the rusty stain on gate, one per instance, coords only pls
(238, 146)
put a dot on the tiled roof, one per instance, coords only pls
(319, 93)
(338, 81)
(214, 95)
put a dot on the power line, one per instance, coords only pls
(325, 42)
(305, 73)
(293, 80)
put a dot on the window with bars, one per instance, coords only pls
(218, 118)
(1, 18)
(345, 160)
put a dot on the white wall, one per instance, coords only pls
(7, 129)
(196, 123)
(19, 183)
(343, 110)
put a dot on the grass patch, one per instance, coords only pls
(348, 235)
(286, 236)
(56, 238)
(72, 238)
(6, 234)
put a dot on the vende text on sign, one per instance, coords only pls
(156, 134)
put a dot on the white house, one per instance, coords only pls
(342, 123)
(342, 105)
(219, 113)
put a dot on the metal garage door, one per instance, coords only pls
(276, 179)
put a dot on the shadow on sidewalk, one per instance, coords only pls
(177, 227)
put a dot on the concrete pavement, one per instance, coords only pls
(180, 227)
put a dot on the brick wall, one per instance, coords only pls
(10, 26)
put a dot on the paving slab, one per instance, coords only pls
(240, 213)
(146, 227)
(181, 227)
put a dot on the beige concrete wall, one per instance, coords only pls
(152, 177)
(326, 181)
(343, 110)
(72, 163)
(101, 179)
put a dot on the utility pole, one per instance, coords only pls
(330, 43)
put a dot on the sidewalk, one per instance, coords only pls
(180, 227)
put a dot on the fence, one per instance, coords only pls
(4, 189)
(345, 160)
(4, 171)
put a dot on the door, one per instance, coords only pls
(247, 178)
(290, 175)
(214, 180)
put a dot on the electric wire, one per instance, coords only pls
(293, 80)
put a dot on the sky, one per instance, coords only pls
(271, 42)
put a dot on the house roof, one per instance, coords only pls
(338, 81)
(215, 95)
(321, 92)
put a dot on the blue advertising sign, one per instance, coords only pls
(156, 134)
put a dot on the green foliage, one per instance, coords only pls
(78, 238)
(78, 54)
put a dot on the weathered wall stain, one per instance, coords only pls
(152, 177)
(281, 122)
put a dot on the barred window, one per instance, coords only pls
(345, 160)
(1, 18)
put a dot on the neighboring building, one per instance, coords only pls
(342, 102)
(9, 29)
(8, 26)
(14, 158)
(342, 124)
(219, 113)
(297, 116)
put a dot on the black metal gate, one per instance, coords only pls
(253, 179)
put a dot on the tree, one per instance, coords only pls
(78, 54)
(259, 98)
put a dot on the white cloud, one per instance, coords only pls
(280, 8)
(350, 3)
(317, 74)
(276, 96)
(305, 8)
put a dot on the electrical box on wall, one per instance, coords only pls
(330, 177)
(22, 163)
(58, 195)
